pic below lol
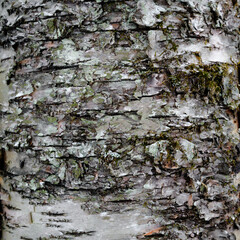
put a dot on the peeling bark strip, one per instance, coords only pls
(120, 119)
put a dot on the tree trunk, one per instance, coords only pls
(120, 119)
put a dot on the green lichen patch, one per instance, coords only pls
(203, 80)
(207, 81)
(57, 28)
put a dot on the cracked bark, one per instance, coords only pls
(119, 119)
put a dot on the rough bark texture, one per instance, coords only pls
(120, 119)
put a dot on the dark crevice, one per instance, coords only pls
(123, 201)
(94, 1)
(79, 233)
(214, 15)
(55, 214)
(236, 168)
(22, 163)
(238, 118)
(238, 73)
(2, 159)
(53, 225)
(48, 17)
(234, 2)
(1, 217)
(54, 68)
(8, 81)
(17, 24)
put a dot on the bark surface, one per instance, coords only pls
(120, 119)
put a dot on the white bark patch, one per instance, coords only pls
(149, 10)
(64, 217)
(6, 64)
(188, 149)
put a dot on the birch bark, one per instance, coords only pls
(120, 119)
